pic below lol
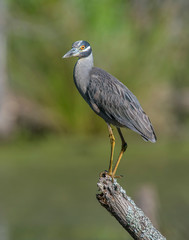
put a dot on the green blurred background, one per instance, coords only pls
(53, 147)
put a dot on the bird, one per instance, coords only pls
(110, 99)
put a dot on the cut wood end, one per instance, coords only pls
(107, 185)
(108, 188)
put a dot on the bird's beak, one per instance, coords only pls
(74, 52)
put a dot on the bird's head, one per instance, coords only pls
(79, 49)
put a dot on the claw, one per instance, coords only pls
(104, 173)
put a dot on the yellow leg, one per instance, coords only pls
(112, 142)
(123, 148)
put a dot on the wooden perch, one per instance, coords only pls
(113, 197)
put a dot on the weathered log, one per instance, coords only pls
(114, 198)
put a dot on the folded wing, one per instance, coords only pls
(117, 104)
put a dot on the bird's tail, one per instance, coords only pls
(151, 138)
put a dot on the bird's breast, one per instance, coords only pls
(81, 81)
(82, 76)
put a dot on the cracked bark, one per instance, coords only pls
(114, 198)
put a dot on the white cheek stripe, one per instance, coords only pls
(86, 49)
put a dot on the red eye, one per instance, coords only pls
(82, 47)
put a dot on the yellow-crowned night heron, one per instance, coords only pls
(109, 98)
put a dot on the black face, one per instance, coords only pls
(84, 48)
(79, 49)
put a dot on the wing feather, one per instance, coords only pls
(117, 104)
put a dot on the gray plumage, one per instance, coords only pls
(116, 104)
(107, 96)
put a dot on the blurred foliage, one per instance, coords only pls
(143, 44)
(48, 189)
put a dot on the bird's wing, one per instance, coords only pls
(118, 103)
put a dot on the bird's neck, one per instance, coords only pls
(82, 71)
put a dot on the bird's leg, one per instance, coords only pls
(112, 142)
(123, 148)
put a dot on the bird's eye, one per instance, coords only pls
(82, 47)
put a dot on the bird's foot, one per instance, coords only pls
(103, 174)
